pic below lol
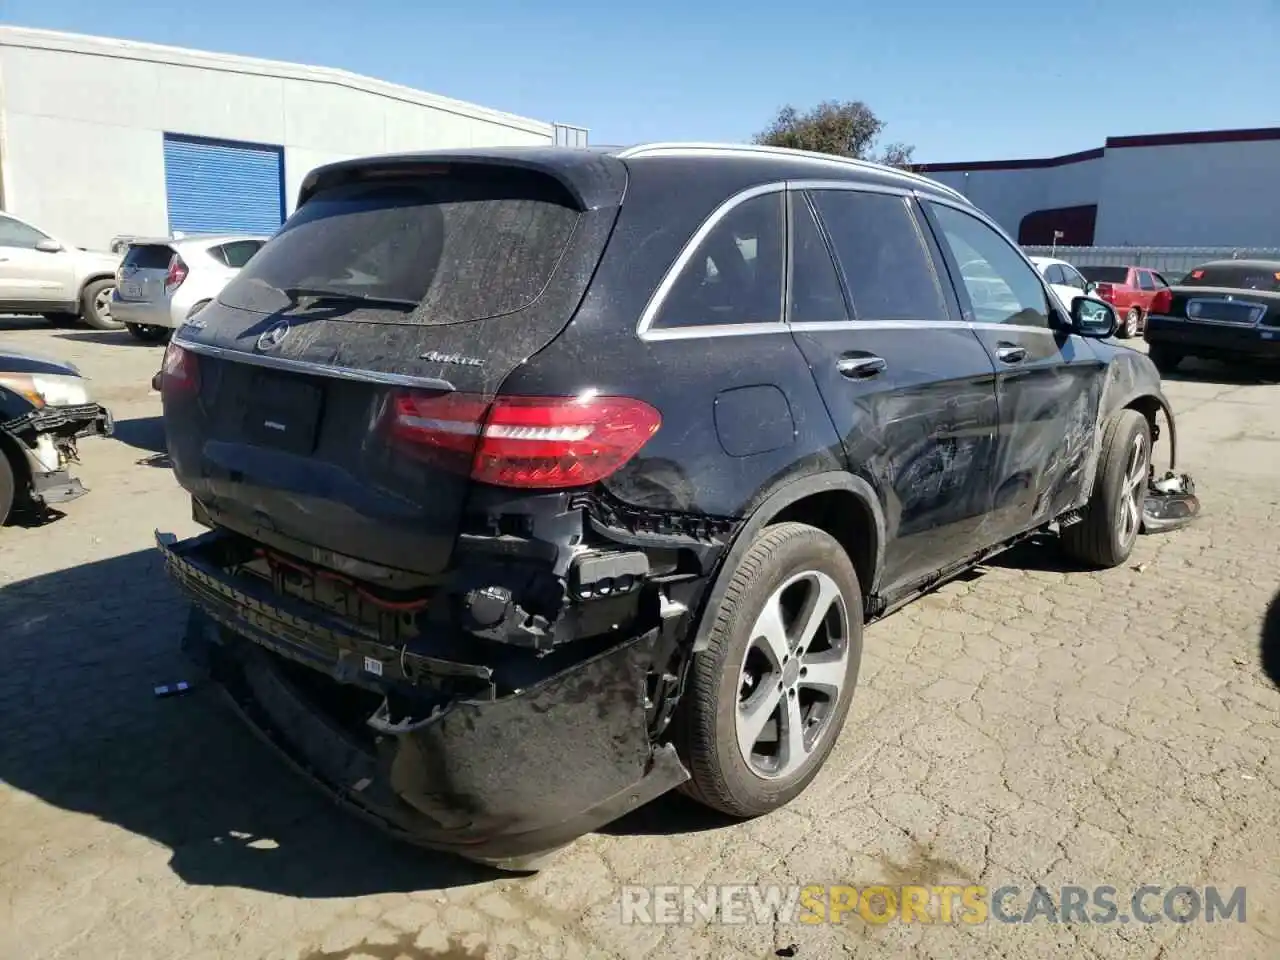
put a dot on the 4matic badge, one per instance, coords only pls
(455, 358)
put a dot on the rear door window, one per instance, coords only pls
(735, 274)
(815, 295)
(887, 267)
(468, 244)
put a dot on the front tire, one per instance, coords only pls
(95, 305)
(148, 332)
(765, 702)
(1104, 538)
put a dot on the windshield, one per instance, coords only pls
(471, 244)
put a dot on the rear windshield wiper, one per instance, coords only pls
(295, 293)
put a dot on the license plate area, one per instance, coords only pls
(1236, 313)
(131, 289)
(283, 413)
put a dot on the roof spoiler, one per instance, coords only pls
(593, 180)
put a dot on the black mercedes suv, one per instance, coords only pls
(541, 481)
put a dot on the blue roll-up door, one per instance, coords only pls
(216, 186)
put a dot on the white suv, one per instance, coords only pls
(41, 274)
(162, 283)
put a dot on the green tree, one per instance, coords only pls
(846, 129)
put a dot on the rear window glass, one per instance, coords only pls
(149, 257)
(471, 244)
(1106, 274)
(1242, 277)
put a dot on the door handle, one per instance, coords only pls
(1008, 353)
(860, 368)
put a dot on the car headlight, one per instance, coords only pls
(45, 390)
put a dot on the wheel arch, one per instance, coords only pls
(842, 504)
(93, 278)
(1151, 405)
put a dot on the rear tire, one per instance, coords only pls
(148, 332)
(1132, 320)
(95, 305)
(760, 718)
(1104, 538)
(1164, 357)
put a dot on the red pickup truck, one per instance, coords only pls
(1130, 290)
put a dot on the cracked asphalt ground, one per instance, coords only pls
(1026, 725)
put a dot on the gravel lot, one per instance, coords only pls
(1026, 725)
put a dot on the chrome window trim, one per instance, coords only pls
(316, 369)
(659, 295)
(827, 326)
(853, 186)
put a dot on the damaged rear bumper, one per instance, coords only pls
(501, 776)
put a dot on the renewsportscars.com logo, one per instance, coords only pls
(971, 904)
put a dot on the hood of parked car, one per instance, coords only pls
(18, 361)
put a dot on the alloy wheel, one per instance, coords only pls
(793, 674)
(1132, 496)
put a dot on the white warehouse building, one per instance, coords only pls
(1214, 188)
(102, 138)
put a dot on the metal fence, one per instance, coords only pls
(568, 135)
(1175, 260)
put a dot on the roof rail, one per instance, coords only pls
(678, 147)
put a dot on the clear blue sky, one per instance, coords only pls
(961, 81)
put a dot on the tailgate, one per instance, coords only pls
(144, 270)
(295, 404)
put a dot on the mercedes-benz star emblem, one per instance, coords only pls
(273, 336)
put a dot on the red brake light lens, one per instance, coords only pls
(180, 372)
(1162, 302)
(1197, 274)
(525, 442)
(177, 273)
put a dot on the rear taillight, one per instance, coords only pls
(177, 273)
(1162, 302)
(528, 442)
(1105, 291)
(180, 372)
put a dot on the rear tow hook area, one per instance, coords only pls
(1171, 503)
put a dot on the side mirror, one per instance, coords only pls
(1090, 286)
(48, 246)
(1091, 317)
